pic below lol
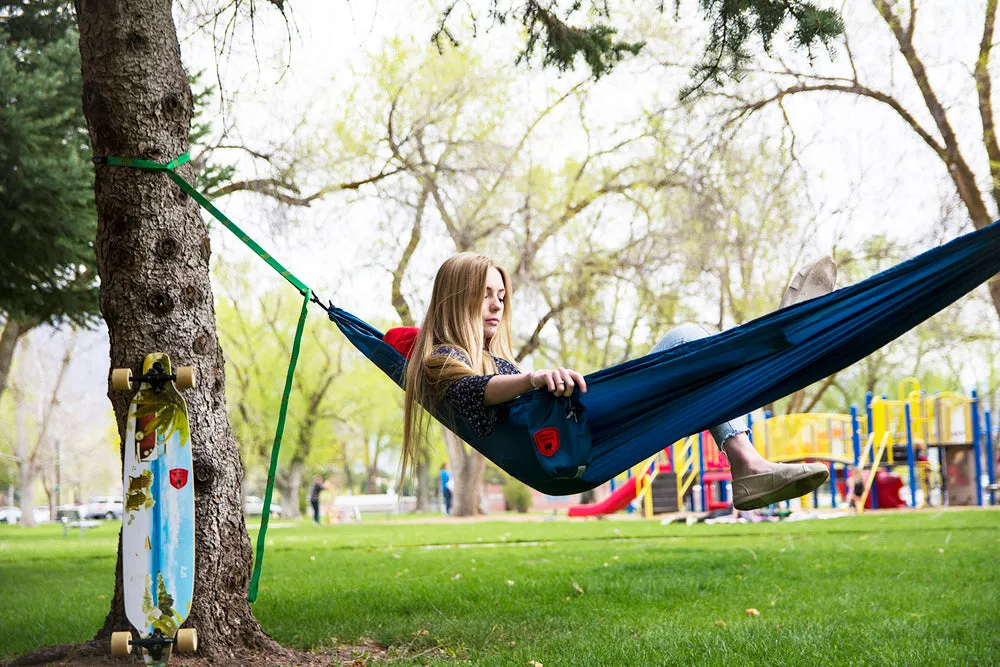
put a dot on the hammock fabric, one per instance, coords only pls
(639, 407)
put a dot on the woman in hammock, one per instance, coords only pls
(463, 356)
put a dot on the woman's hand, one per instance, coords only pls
(561, 381)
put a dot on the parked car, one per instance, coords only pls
(104, 507)
(254, 506)
(13, 514)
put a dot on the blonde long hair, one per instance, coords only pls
(454, 318)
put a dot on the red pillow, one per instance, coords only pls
(402, 339)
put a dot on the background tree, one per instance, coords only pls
(925, 105)
(47, 217)
(335, 410)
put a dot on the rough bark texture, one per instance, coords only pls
(152, 254)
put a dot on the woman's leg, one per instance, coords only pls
(756, 481)
(686, 333)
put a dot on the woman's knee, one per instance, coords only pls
(680, 334)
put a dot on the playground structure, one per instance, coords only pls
(939, 442)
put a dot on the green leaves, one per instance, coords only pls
(735, 23)
(47, 216)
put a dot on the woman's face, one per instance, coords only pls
(493, 302)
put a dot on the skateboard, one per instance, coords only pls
(158, 519)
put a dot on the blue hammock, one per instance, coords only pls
(639, 407)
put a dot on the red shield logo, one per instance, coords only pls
(547, 441)
(178, 478)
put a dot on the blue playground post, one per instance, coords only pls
(910, 456)
(856, 433)
(977, 446)
(833, 485)
(701, 471)
(990, 461)
(868, 413)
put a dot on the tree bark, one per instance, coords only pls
(468, 467)
(152, 255)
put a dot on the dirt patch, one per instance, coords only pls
(96, 654)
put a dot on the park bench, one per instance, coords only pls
(82, 524)
(387, 503)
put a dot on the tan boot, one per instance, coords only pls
(811, 281)
(786, 481)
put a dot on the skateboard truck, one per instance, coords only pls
(156, 377)
(156, 644)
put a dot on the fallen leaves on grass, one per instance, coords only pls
(752, 612)
(535, 663)
(721, 624)
(509, 582)
(456, 576)
(577, 588)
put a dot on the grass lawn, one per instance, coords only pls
(899, 588)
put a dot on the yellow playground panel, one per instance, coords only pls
(819, 436)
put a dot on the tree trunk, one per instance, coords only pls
(291, 484)
(152, 255)
(26, 468)
(13, 329)
(468, 467)
(422, 480)
(28, 474)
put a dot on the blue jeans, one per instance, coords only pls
(683, 334)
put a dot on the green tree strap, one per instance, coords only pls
(203, 201)
(266, 513)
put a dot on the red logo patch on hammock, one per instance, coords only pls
(178, 478)
(547, 441)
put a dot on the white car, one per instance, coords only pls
(13, 514)
(254, 506)
(104, 507)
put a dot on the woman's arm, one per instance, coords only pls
(560, 381)
(503, 388)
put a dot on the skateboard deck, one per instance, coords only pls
(158, 521)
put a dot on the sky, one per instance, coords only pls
(865, 171)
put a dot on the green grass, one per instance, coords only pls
(899, 588)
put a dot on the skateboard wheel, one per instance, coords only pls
(121, 379)
(187, 640)
(121, 643)
(185, 377)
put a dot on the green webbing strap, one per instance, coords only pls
(203, 201)
(149, 165)
(266, 514)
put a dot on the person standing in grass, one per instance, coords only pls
(463, 357)
(317, 487)
(446, 486)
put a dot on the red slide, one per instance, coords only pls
(618, 500)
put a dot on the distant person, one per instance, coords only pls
(856, 488)
(317, 487)
(446, 487)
